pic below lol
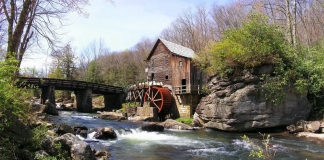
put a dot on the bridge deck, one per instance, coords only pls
(61, 84)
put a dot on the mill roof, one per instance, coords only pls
(174, 48)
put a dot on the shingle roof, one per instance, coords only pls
(178, 49)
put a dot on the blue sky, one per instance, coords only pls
(122, 24)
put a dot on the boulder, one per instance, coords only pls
(70, 146)
(311, 135)
(173, 124)
(152, 127)
(105, 133)
(312, 126)
(295, 129)
(111, 116)
(139, 118)
(15, 130)
(238, 104)
(50, 108)
(41, 154)
(82, 131)
(70, 101)
(304, 126)
(102, 155)
(67, 107)
(38, 108)
(64, 128)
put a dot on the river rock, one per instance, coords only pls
(15, 130)
(51, 108)
(311, 135)
(67, 107)
(102, 155)
(69, 101)
(64, 128)
(82, 131)
(41, 154)
(152, 127)
(139, 118)
(239, 104)
(105, 133)
(173, 124)
(70, 146)
(304, 126)
(36, 107)
(111, 116)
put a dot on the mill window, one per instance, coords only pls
(166, 59)
(152, 63)
(166, 74)
(180, 63)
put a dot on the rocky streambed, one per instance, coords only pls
(146, 140)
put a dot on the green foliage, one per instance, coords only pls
(311, 66)
(39, 134)
(205, 90)
(11, 97)
(254, 44)
(62, 154)
(12, 106)
(93, 72)
(129, 104)
(264, 151)
(185, 120)
(56, 73)
(64, 64)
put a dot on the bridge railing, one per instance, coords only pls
(68, 84)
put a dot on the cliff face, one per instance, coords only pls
(239, 104)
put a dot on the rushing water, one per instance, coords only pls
(133, 143)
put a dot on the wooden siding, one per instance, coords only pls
(160, 65)
(176, 73)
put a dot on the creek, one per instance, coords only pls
(133, 143)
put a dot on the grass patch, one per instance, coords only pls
(185, 120)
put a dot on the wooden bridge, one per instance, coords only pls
(83, 91)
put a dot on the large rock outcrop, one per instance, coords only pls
(239, 104)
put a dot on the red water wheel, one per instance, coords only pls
(160, 98)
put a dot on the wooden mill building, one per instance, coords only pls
(172, 65)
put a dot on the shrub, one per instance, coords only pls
(254, 44)
(12, 108)
(263, 151)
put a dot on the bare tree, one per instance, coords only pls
(301, 20)
(89, 58)
(190, 29)
(194, 29)
(228, 17)
(29, 21)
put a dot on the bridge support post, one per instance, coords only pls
(48, 93)
(113, 101)
(84, 101)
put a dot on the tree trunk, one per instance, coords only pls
(294, 41)
(15, 38)
(288, 22)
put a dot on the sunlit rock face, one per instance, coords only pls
(239, 104)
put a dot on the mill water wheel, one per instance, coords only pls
(160, 98)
